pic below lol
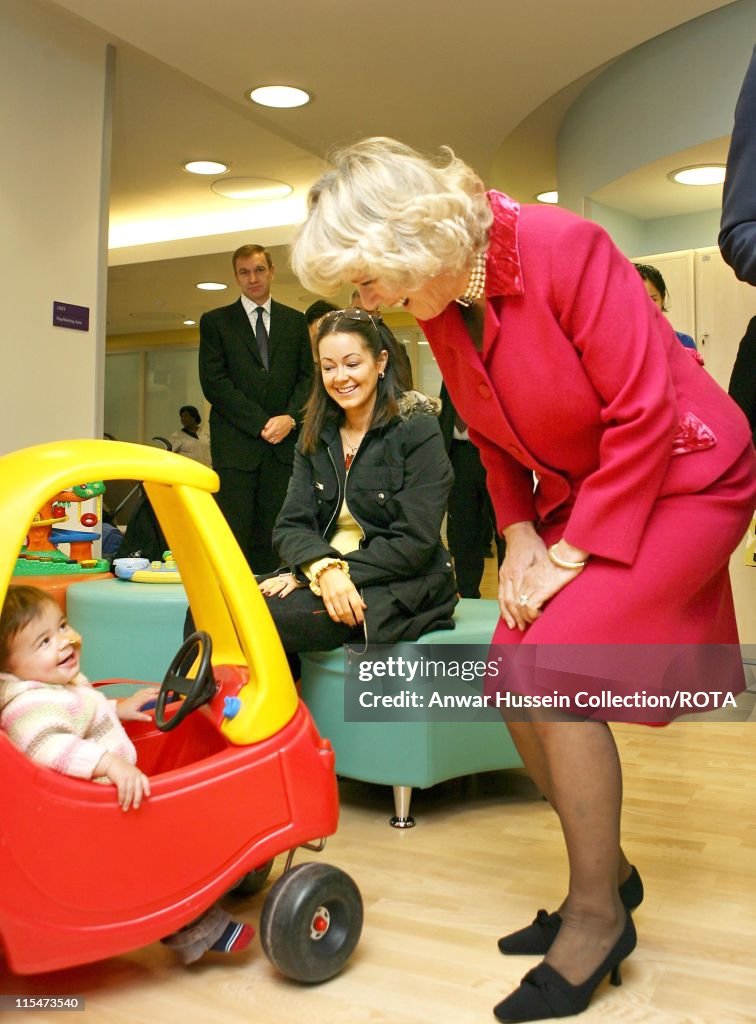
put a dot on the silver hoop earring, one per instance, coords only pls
(381, 375)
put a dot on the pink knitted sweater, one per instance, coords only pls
(67, 728)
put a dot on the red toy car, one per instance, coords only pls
(238, 771)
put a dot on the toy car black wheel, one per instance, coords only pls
(251, 883)
(311, 922)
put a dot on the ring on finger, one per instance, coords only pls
(522, 600)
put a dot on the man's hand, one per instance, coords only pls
(277, 429)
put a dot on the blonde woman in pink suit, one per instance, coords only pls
(645, 477)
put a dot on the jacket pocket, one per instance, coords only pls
(692, 435)
(380, 482)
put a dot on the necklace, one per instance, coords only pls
(353, 448)
(476, 284)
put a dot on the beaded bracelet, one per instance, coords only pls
(336, 563)
(562, 563)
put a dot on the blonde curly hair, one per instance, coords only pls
(385, 211)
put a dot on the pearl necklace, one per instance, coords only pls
(476, 284)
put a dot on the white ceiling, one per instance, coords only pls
(473, 76)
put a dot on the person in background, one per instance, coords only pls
(561, 368)
(737, 233)
(742, 386)
(54, 715)
(360, 527)
(314, 314)
(470, 515)
(656, 289)
(737, 236)
(190, 440)
(255, 367)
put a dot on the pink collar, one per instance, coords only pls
(503, 270)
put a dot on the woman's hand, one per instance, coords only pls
(280, 585)
(340, 596)
(528, 578)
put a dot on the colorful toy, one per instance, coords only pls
(241, 774)
(41, 555)
(124, 568)
(142, 570)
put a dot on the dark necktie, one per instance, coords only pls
(262, 336)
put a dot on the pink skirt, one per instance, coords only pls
(666, 623)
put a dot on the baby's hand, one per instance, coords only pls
(129, 708)
(132, 785)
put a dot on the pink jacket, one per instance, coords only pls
(582, 382)
(67, 728)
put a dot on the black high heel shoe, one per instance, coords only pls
(536, 939)
(544, 993)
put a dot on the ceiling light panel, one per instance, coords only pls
(205, 167)
(699, 174)
(282, 96)
(258, 189)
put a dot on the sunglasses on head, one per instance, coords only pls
(352, 313)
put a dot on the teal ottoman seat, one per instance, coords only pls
(410, 753)
(130, 630)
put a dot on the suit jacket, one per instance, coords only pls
(743, 379)
(243, 394)
(737, 237)
(581, 381)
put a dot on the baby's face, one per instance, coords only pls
(46, 649)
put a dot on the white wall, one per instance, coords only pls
(54, 126)
(687, 231)
(663, 234)
(673, 92)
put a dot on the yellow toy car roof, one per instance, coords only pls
(222, 592)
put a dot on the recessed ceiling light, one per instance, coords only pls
(548, 197)
(279, 96)
(189, 323)
(211, 286)
(205, 167)
(251, 188)
(699, 174)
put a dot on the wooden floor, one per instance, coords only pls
(486, 853)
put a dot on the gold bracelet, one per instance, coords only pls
(336, 563)
(562, 563)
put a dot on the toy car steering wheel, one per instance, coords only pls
(196, 691)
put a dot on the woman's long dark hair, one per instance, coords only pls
(321, 409)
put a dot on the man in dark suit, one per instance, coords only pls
(470, 524)
(255, 367)
(737, 236)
